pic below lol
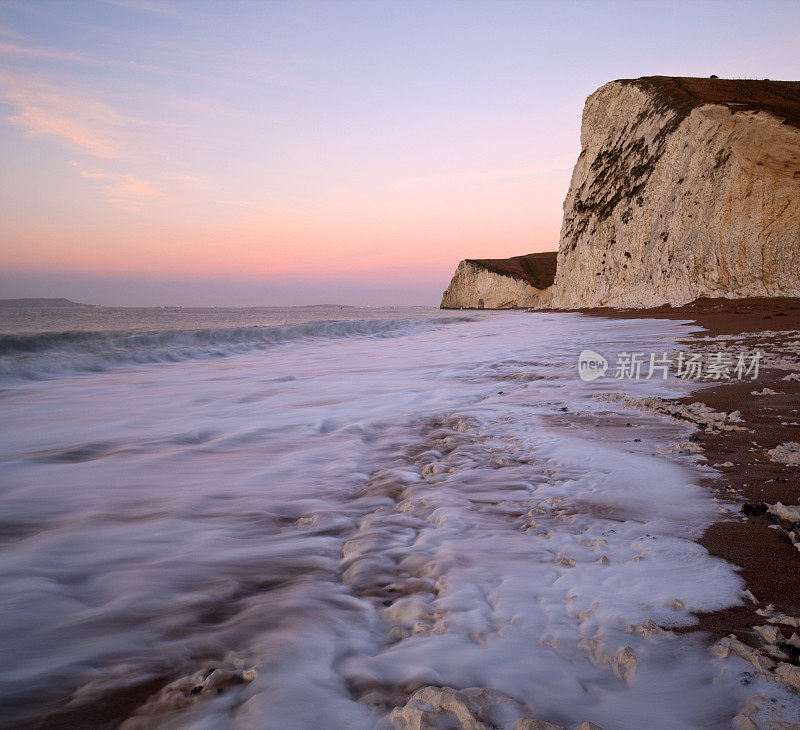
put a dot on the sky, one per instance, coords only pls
(274, 153)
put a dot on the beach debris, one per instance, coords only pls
(784, 512)
(788, 674)
(698, 414)
(648, 629)
(779, 350)
(683, 447)
(778, 658)
(769, 633)
(731, 645)
(774, 617)
(792, 377)
(766, 391)
(623, 663)
(432, 469)
(564, 560)
(584, 615)
(750, 597)
(786, 453)
(211, 680)
(777, 512)
(446, 708)
(529, 724)
(761, 712)
(412, 613)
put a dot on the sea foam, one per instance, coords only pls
(344, 522)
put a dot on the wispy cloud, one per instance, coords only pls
(6, 32)
(56, 54)
(126, 192)
(145, 6)
(15, 49)
(130, 193)
(247, 70)
(45, 110)
(95, 175)
(234, 63)
(42, 109)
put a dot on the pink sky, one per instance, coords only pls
(292, 153)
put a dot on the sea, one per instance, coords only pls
(295, 517)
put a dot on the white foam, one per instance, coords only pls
(267, 504)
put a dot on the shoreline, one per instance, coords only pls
(765, 556)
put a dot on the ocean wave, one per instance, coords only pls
(48, 354)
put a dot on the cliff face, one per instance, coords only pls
(684, 188)
(500, 283)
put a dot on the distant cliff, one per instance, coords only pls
(684, 188)
(38, 302)
(500, 283)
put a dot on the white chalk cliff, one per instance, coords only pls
(500, 283)
(684, 188)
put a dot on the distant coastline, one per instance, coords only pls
(58, 302)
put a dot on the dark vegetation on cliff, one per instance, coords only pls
(682, 95)
(538, 269)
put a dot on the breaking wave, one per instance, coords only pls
(49, 354)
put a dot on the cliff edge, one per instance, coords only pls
(684, 188)
(500, 283)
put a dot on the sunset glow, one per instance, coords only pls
(270, 153)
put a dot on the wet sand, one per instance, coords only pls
(765, 556)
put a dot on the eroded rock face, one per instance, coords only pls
(512, 283)
(684, 188)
